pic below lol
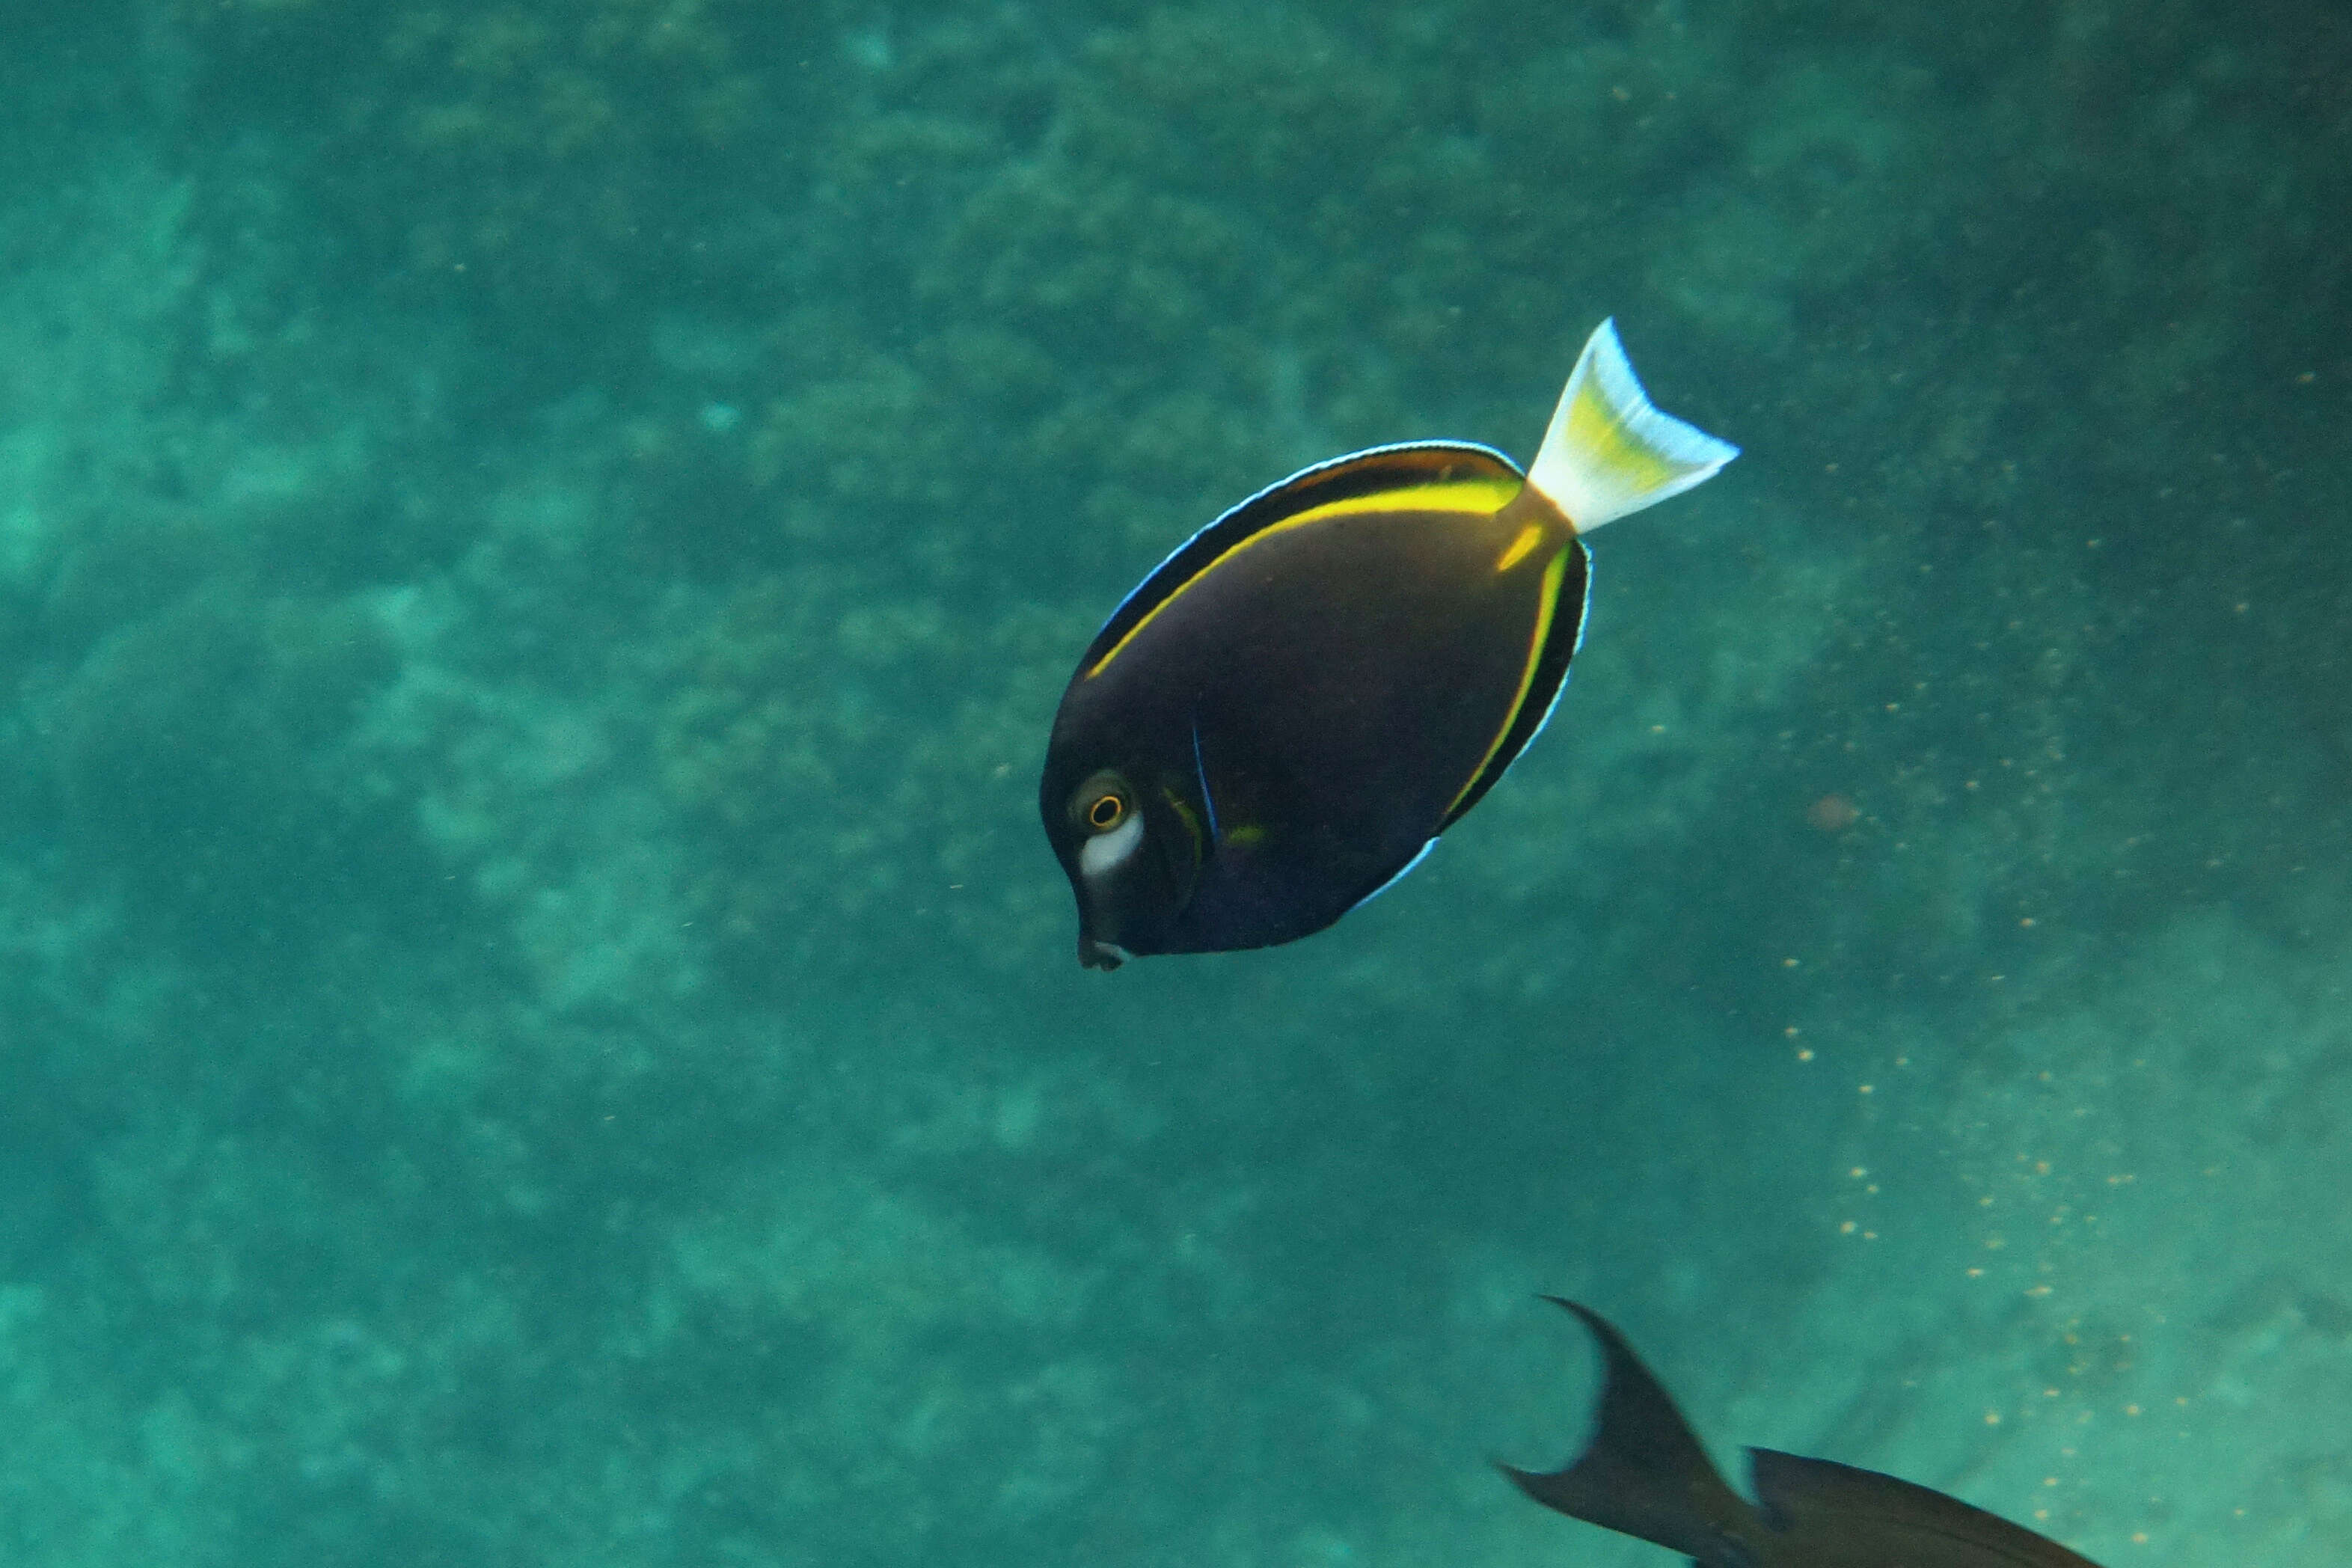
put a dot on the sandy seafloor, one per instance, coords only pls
(539, 541)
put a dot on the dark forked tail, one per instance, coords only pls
(1643, 1473)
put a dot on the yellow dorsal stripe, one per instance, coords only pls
(1546, 603)
(1478, 497)
(1481, 497)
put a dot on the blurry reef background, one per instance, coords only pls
(538, 545)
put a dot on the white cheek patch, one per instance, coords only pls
(1107, 852)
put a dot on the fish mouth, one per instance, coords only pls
(1103, 955)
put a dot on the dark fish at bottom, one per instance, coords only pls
(1644, 1474)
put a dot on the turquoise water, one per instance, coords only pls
(538, 543)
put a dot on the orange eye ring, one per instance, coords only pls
(1106, 811)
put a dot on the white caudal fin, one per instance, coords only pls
(1610, 451)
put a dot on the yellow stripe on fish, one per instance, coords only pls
(1546, 605)
(1476, 496)
(1314, 705)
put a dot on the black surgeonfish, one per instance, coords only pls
(1280, 721)
(1644, 1474)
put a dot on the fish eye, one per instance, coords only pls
(1102, 804)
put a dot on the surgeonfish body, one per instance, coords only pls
(1280, 721)
(1644, 1474)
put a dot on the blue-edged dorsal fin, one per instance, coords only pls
(1428, 472)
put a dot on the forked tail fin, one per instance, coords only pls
(1643, 1473)
(1610, 451)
